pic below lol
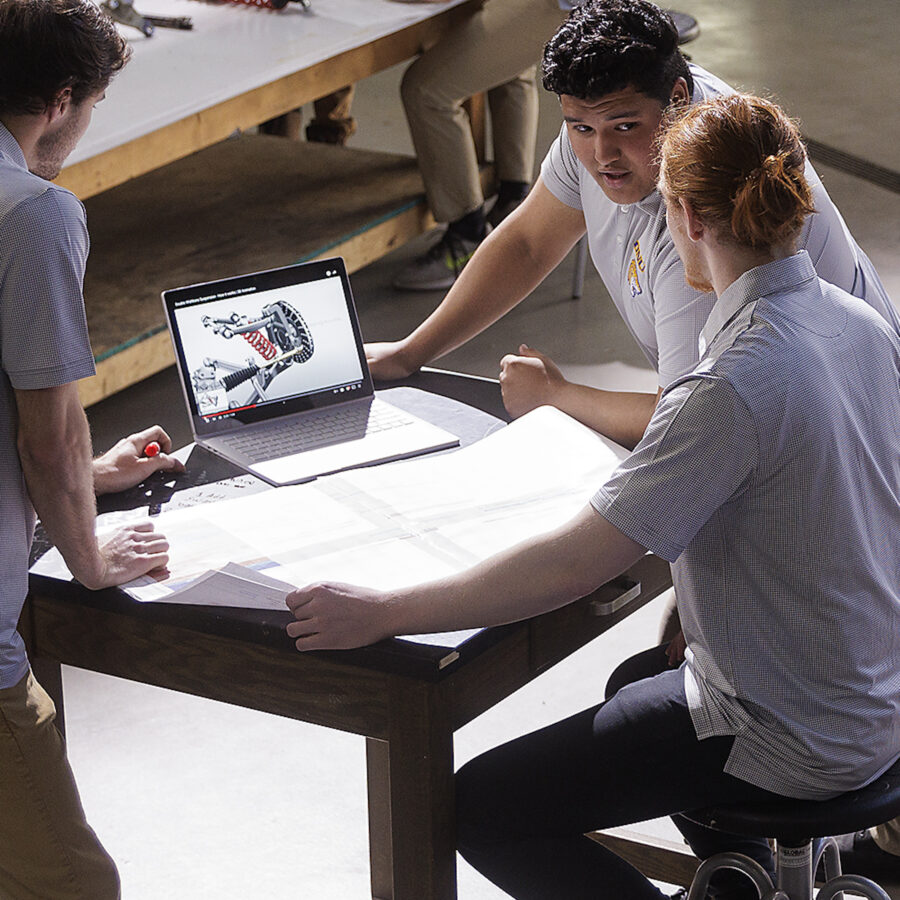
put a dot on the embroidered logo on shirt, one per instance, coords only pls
(637, 255)
(636, 264)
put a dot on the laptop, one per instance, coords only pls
(275, 377)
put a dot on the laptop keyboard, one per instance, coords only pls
(326, 427)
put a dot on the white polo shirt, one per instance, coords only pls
(634, 254)
(770, 478)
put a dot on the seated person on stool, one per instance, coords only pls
(771, 482)
(579, 189)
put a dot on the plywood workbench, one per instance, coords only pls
(171, 199)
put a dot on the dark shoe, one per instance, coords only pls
(860, 855)
(439, 267)
(687, 26)
(330, 131)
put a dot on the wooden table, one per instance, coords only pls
(170, 201)
(407, 699)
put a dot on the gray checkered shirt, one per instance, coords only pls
(770, 477)
(43, 343)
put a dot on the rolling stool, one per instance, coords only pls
(792, 822)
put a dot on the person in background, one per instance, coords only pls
(495, 50)
(331, 122)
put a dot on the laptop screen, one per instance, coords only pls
(260, 346)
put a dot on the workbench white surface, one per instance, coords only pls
(232, 49)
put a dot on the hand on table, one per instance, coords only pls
(130, 552)
(528, 381)
(334, 616)
(126, 464)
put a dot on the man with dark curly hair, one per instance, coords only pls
(616, 67)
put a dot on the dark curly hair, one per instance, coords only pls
(609, 45)
(47, 46)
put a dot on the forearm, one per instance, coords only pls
(510, 263)
(502, 275)
(534, 577)
(56, 463)
(622, 416)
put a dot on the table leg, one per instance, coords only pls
(411, 807)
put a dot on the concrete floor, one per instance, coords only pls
(197, 799)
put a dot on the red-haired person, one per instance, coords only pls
(771, 483)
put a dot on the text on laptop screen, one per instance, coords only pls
(245, 345)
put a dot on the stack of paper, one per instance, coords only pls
(384, 526)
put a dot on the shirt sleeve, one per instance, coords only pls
(699, 453)
(43, 329)
(560, 171)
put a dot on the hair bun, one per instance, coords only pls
(773, 165)
(772, 168)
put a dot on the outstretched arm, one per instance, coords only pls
(535, 576)
(505, 269)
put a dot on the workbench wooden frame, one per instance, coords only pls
(208, 127)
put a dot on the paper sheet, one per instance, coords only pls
(385, 526)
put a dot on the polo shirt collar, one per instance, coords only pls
(772, 278)
(651, 203)
(10, 148)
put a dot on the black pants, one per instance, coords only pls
(524, 807)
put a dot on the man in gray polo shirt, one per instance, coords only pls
(56, 59)
(599, 177)
(771, 482)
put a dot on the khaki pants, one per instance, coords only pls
(47, 849)
(495, 51)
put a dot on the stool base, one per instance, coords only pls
(795, 868)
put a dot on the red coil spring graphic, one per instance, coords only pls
(261, 344)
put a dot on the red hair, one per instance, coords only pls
(738, 160)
